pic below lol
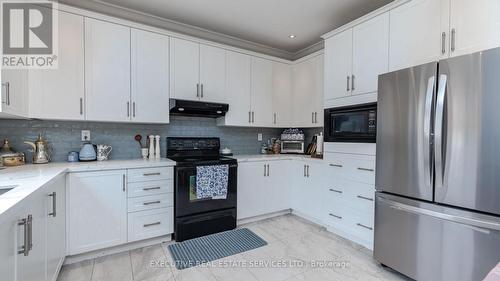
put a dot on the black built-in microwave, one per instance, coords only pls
(357, 123)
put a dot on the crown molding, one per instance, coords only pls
(189, 30)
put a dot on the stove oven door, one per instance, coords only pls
(187, 201)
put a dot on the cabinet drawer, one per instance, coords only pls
(136, 189)
(150, 174)
(151, 223)
(360, 197)
(363, 225)
(334, 214)
(354, 167)
(150, 202)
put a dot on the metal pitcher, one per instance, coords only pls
(41, 150)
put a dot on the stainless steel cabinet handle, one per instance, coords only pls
(352, 83)
(268, 170)
(265, 173)
(312, 117)
(25, 248)
(253, 117)
(336, 191)
(151, 174)
(443, 43)
(151, 203)
(308, 171)
(81, 106)
(249, 117)
(316, 117)
(366, 169)
(151, 224)
(54, 204)
(305, 175)
(348, 83)
(365, 198)
(274, 118)
(453, 37)
(123, 183)
(128, 109)
(151, 188)
(197, 90)
(202, 90)
(133, 109)
(364, 226)
(335, 216)
(7, 93)
(336, 165)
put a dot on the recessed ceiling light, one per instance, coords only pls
(291, 36)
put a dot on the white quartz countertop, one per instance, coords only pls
(28, 178)
(275, 157)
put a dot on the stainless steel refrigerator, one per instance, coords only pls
(437, 211)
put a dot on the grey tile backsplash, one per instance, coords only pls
(65, 136)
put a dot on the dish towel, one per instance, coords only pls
(211, 181)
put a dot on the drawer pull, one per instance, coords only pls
(151, 224)
(365, 169)
(365, 198)
(364, 226)
(335, 216)
(336, 165)
(337, 191)
(151, 174)
(151, 203)
(151, 188)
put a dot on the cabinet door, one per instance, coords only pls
(55, 211)
(107, 71)
(475, 26)
(33, 267)
(10, 244)
(150, 87)
(252, 189)
(370, 54)
(15, 92)
(279, 189)
(416, 30)
(282, 95)
(238, 85)
(212, 74)
(262, 88)
(304, 84)
(184, 69)
(306, 195)
(97, 210)
(338, 65)
(59, 93)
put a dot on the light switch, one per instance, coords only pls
(85, 135)
(259, 137)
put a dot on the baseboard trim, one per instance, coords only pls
(117, 249)
(350, 237)
(263, 217)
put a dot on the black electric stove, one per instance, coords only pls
(198, 217)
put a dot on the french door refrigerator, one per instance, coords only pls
(437, 211)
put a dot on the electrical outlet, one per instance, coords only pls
(259, 137)
(85, 135)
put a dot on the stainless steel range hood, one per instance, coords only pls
(197, 108)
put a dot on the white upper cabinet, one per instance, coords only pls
(338, 65)
(59, 93)
(14, 93)
(238, 89)
(282, 95)
(198, 71)
(107, 71)
(418, 33)
(262, 92)
(308, 92)
(212, 74)
(184, 69)
(474, 26)
(370, 54)
(150, 76)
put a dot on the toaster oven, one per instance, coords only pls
(292, 146)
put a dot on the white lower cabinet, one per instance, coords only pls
(97, 210)
(262, 188)
(32, 235)
(306, 194)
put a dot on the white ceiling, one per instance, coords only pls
(266, 22)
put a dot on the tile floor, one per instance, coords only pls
(292, 244)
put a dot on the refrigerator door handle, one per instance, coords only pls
(431, 83)
(482, 224)
(438, 131)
